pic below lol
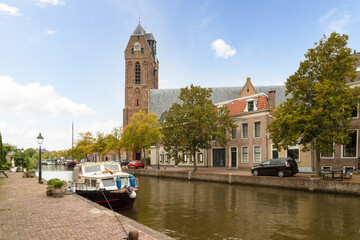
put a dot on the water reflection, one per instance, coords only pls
(202, 210)
(56, 171)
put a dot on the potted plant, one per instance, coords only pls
(31, 173)
(55, 187)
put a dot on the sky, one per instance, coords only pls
(62, 61)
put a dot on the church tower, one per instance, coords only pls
(141, 75)
(141, 72)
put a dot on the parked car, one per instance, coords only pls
(281, 167)
(136, 164)
(124, 162)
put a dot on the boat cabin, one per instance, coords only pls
(100, 176)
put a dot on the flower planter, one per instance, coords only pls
(30, 174)
(58, 192)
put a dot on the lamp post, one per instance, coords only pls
(22, 158)
(40, 140)
(157, 156)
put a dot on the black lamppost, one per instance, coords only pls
(157, 156)
(40, 140)
(22, 158)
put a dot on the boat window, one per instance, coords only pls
(90, 169)
(93, 182)
(108, 182)
(87, 181)
(113, 167)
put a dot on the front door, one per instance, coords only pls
(233, 157)
(219, 157)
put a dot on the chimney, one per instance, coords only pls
(272, 99)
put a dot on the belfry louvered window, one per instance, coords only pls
(137, 73)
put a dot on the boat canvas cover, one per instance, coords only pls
(93, 168)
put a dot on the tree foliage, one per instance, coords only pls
(318, 110)
(84, 145)
(113, 140)
(141, 133)
(191, 125)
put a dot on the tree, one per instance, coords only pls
(99, 145)
(318, 110)
(84, 145)
(193, 124)
(141, 133)
(2, 152)
(113, 140)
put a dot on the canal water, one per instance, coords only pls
(204, 210)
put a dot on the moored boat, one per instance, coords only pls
(105, 183)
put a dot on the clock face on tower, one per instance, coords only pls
(137, 47)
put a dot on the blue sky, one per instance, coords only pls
(63, 60)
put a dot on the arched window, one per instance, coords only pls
(137, 73)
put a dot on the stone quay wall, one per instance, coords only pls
(295, 183)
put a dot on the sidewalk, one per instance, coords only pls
(241, 172)
(27, 213)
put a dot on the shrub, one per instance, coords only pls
(56, 183)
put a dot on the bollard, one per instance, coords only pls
(133, 235)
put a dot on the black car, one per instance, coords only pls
(124, 162)
(281, 167)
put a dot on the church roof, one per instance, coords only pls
(162, 99)
(139, 31)
(149, 36)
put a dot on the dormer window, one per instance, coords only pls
(250, 105)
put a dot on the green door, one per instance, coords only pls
(219, 157)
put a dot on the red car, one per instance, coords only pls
(136, 164)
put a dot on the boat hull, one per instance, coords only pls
(119, 200)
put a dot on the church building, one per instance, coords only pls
(141, 75)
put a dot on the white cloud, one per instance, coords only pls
(335, 20)
(222, 49)
(44, 3)
(50, 32)
(34, 98)
(96, 126)
(328, 15)
(6, 9)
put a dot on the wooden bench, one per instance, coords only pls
(3, 172)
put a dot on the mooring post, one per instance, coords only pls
(133, 235)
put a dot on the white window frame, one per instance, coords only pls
(323, 167)
(242, 131)
(344, 167)
(254, 154)
(357, 145)
(242, 152)
(255, 130)
(232, 135)
(294, 147)
(237, 158)
(357, 112)
(162, 156)
(185, 158)
(200, 159)
(247, 104)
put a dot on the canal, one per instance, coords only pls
(204, 210)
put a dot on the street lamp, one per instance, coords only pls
(40, 140)
(22, 158)
(157, 156)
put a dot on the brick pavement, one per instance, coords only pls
(27, 213)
